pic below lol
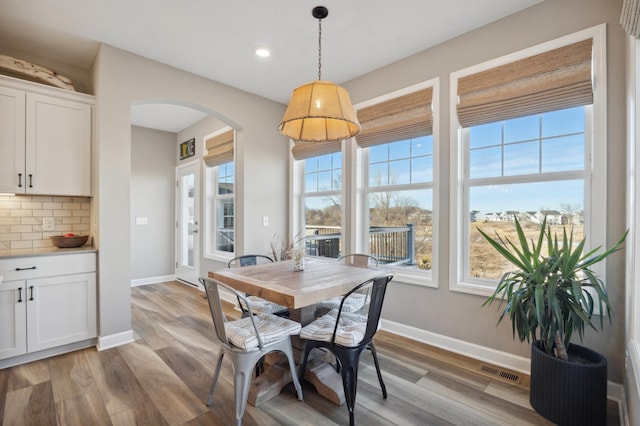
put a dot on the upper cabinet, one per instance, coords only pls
(45, 140)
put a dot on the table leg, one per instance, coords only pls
(319, 372)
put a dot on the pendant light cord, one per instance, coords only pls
(319, 48)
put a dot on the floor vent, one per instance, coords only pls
(507, 376)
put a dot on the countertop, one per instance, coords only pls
(45, 251)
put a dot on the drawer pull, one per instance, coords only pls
(19, 294)
(31, 289)
(25, 269)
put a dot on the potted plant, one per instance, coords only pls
(552, 294)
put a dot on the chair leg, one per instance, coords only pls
(303, 366)
(215, 378)
(260, 367)
(294, 375)
(242, 381)
(372, 348)
(349, 375)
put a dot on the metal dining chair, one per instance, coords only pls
(258, 304)
(346, 335)
(358, 300)
(246, 341)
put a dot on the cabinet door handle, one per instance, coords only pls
(30, 180)
(25, 269)
(31, 290)
(19, 180)
(19, 294)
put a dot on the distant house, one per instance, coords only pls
(492, 217)
(554, 217)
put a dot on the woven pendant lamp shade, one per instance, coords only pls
(319, 111)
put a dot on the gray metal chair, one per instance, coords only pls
(358, 300)
(259, 305)
(246, 341)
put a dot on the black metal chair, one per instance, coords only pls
(258, 304)
(346, 335)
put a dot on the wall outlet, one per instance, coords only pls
(47, 224)
(265, 220)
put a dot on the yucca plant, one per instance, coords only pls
(550, 295)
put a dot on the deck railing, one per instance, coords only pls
(391, 245)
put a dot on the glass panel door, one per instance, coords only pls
(187, 219)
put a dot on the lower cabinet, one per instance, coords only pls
(43, 312)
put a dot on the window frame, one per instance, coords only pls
(212, 198)
(359, 165)
(595, 160)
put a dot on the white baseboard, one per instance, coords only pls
(152, 280)
(517, 363)
(495, 357)
(113, 340)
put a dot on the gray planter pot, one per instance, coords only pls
(569, 393)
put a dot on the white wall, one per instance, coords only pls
(153, 154)
(121, 79)
(459, 316)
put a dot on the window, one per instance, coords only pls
(224, 215)
(382, 181)
(322, 204)
(529, 145)
(529, 168)
(220, 192)
(400, 202)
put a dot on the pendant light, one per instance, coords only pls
(319, 111)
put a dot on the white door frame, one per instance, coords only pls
(188, 228)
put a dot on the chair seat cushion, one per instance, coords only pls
(350, 332)
(241, 334)
(262, 306)
(354, 303)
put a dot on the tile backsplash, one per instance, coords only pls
(22, 216)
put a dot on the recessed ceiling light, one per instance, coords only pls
(262, 52)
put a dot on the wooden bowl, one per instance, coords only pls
(61, 241)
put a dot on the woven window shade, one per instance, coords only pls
(557, 79)
(304, 150)
(405, 117)
(219, 149)
(630, 17)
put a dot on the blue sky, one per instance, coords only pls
(548, 143)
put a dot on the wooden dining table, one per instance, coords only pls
(300, 291)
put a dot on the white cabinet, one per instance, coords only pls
(13, 320)
(45, 140)
(46, 302)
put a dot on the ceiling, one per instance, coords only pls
(216, 39)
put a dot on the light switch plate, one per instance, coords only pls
(265, 220)
(142, 220)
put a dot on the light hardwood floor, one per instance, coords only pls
(164, 377)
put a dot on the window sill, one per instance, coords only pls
(224, 258)
(413, 277)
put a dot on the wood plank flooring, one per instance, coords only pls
(164, 377)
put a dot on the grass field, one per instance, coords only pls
(485, 261)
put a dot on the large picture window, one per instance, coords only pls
(527, 168)
(529, 141)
